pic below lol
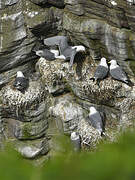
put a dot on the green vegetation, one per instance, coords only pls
(112, 161)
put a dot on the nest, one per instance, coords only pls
(106, 89)
(16, 99)
(90, 137)
(53, 73)
(57, 73)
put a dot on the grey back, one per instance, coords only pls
(101, 72)
(118, 74)
(61, 41)
(96, 121)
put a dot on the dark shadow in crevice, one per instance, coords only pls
(79, 59)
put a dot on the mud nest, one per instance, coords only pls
(90, 137)
(107, 87)
(53, 72)
(15, 99)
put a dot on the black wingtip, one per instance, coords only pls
(93, 79)
(103, 134)
(129, 83)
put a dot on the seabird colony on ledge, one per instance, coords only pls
(115, 71)
(66, 52)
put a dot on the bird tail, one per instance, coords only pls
(129, 83)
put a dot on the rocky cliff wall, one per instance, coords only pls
(105, 28)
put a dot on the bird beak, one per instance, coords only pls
(109, 62)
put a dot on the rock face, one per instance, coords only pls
(106, 28)
(19, 20)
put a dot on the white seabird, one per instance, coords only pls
(76, 141)
(101, 70)
(117, 73)
(96, 120)
(21, 82)
(67, 52)
(49, 55)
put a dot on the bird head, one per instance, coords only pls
(103, 62)
(74, 136)
(20, 74)
(103, 59)
(39, 53)
(92, 110)
(79, 48)
(113, 62)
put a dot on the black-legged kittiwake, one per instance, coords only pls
(96, 120)
(21, 82)
(101, 70)
(118, 73)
